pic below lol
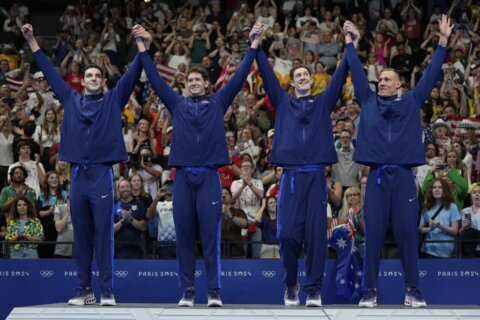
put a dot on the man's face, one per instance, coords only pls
(24, 151)
(5, 91)
(157, 57)
(206, 62)
(345, 139)
(388, 83)
(18, 176)
(92, 81)
(125, 189)
(302, 81)
(196, 84)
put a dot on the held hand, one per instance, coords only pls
(255, 33)
(37, 158)
(27, 31)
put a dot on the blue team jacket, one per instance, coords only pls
(389, 131)
(303, 128)
(92, 127)
(198, 138)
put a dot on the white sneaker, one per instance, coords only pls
(369, 299)
(314, 299)
(188, 298)
(413, 298)
(214, 299)
(107, 298)
(291, 296)
(84, 296)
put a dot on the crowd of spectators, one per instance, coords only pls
(399, 34)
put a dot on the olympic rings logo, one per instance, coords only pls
(422, 273)
(268, 274)
(121, 273)
(46, 273)
(198, 273)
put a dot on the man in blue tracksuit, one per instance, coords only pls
(198, 148)
(91, 141)
(390, 142)
(303, 146)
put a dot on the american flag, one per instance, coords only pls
(167, 73)
(228, 70)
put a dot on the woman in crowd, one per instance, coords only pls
(52, 194)
(64, 228)
(352, 212)
(455, 174)
(439, 220)
(23, 225)
(266, 219)
(470, 230)
(46, 135)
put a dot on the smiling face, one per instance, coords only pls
(301, 81)
(196, 84)
(92, 81)
(388, 83)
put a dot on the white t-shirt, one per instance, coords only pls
(248, 200)
(166, 226)
(32, 178)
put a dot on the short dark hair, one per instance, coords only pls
(29, 128)
(94, 66)
(23, 143)
(292, 71)
(199, 70)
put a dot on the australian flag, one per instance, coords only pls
(348, 279)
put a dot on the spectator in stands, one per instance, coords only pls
(150, 172)
(210, 144)
(17, 188)
(130, 222)
(346, 171)
(6, 153)
(352, 212)
(470, 225)
(46, 135)
(64, 228)
(63, 170)
(139, 190)
(234, 220)
(444, 226)
(110, 41)
(36, 172)
(321, 78)
(266, 219)
(161, 212)
(391, 159)
(51, 195)
(23, 225)
(454, 172)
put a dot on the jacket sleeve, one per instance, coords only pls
(430, 76)
(228, 92)
(59, 87)
(360, 80)
(270, 82)
(127, 82)
(426, 182)
(335, 87)
(462, 184)
(162, 89)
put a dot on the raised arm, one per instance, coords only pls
(431, 73)
(163, 90)
(335, 86)
(228, 92)
(61, 89)
(359, 78)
